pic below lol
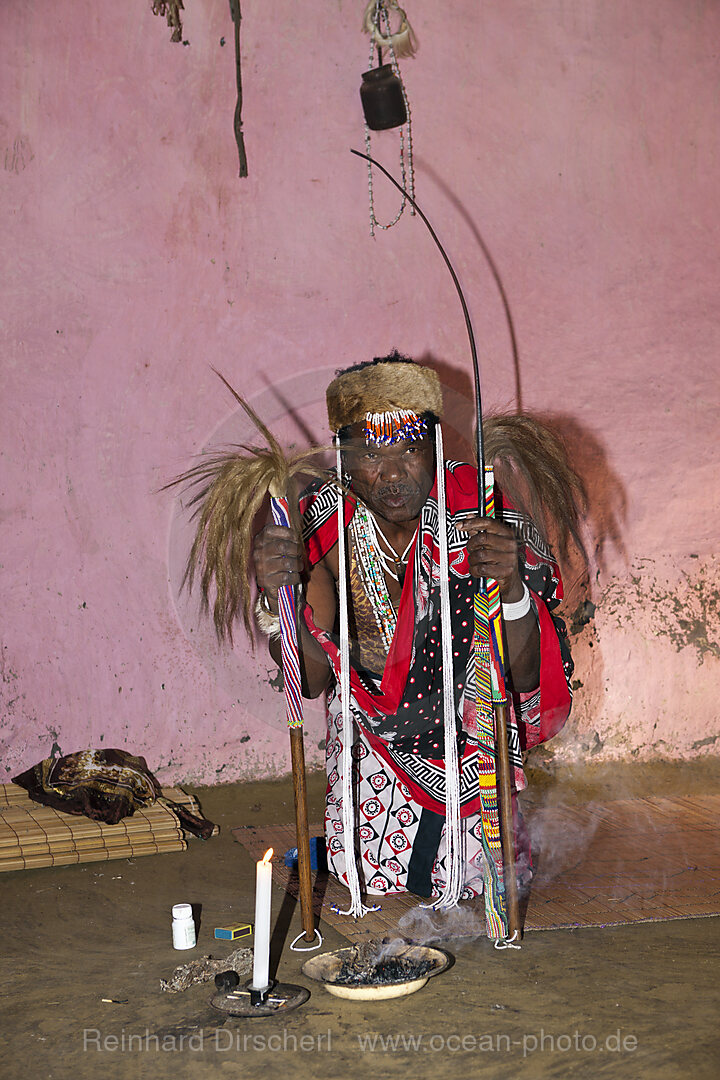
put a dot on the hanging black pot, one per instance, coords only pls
(382, 98)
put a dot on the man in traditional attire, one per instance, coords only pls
(395, 498)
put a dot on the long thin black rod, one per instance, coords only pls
(479, 440)
(501, 737)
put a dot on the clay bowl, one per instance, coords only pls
(326, 968)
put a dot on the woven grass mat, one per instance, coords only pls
(627, 861)
(33, 835)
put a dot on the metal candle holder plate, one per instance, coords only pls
(282, 997)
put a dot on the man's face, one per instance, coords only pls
(394, 481)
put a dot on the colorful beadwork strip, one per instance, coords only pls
(494, 609)
(483, 679)
(489, 685)
(372, 576)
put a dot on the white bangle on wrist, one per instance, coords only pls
(518, 610)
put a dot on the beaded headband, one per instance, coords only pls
(385, 428)
(389, 398)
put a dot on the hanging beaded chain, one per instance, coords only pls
(371, 573)
(407, 170)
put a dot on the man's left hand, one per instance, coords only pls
(493, 553)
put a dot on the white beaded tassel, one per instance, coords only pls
(453, 834)
(357, 908)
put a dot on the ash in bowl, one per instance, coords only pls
(375, 969)
(381, 964)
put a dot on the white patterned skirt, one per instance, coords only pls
(386, 821)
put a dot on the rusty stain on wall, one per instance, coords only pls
(685, 610)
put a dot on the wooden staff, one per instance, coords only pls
(502, 756)
(232, 486)
(302, 831)
(293, 702)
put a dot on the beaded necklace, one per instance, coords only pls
(376, 534)
(371, 561)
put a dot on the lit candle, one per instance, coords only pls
(263, 897)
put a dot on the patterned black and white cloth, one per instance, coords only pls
(398, 713)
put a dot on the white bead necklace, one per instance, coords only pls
(375, 535)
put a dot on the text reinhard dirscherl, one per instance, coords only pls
(225, 1040)
(216, 1040)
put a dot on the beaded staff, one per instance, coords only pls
(504, 909)
(288, 629)
(230, 489)
(489, 695)
(292, 683)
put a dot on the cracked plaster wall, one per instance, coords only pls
(647, 667)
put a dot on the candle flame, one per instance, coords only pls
(268, 855)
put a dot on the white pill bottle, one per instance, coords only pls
(183, 927)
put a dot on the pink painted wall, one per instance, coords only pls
(579, 141)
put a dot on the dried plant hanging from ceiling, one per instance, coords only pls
(385, 101)
(171, 10)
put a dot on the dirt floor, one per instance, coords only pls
(638, 1001)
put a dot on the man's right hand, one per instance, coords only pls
(278, 560)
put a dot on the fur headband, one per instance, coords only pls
(382, 388)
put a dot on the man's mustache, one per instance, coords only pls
(394, 490)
